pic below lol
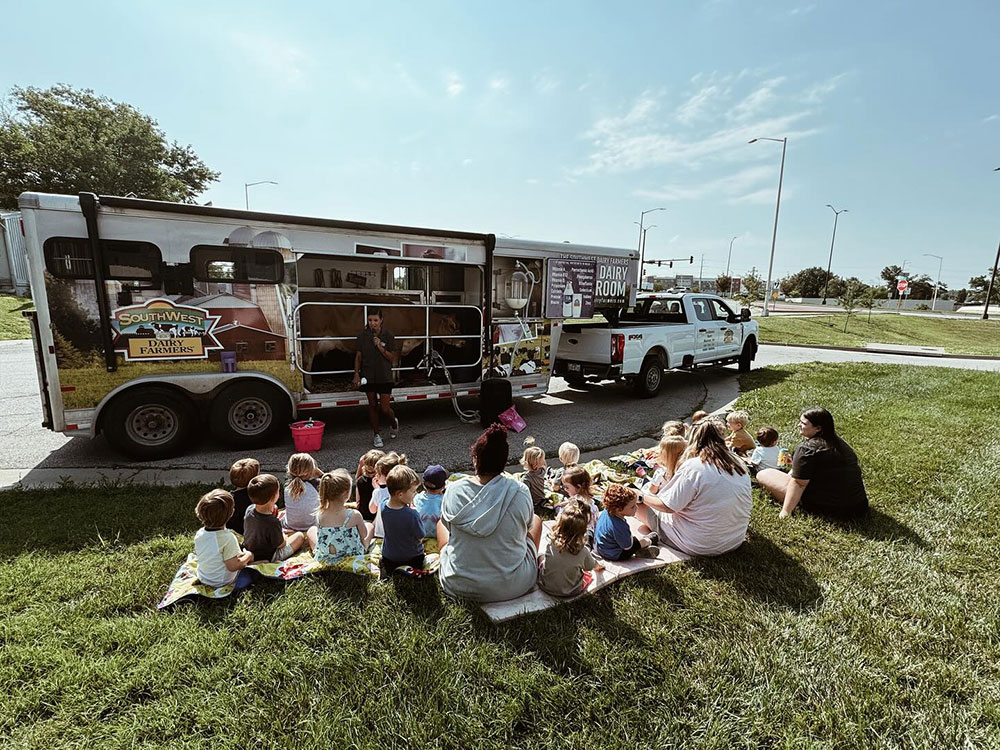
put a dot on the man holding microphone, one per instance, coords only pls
(375, 358)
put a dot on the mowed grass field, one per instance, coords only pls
(12, 324)
(973, 336)
(879, 633)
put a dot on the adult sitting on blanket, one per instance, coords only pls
(826, 475)
(488, 533)
(705, 507)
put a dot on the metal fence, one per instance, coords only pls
(13, 254)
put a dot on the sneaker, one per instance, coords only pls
(651, 552)
(654, 539)
(377, 442)
(394, 430)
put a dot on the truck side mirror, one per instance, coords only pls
(745, 314)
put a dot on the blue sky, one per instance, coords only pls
(562, 121)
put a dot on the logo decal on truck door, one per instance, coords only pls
(162, 329)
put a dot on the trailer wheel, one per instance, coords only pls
(746, 356)
(650, 378)
(249, 414)
(149, 422)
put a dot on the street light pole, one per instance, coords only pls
(248, 185)
(938, 284)
(777, 208)
(728, 259)
(829, 265)
(641, 248)
(993, 278)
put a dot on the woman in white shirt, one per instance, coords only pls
(705, 507)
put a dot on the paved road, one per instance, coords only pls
(602, 417)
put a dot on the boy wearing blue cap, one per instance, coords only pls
(428, 502)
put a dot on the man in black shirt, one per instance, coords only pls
(377, 354)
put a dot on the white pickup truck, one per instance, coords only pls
(662, 331)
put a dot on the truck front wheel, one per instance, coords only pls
(650, 378)
(149, 422)
(746, 357)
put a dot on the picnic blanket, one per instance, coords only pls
(537, 600)
(185, 583)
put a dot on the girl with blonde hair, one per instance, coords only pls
(301, 495)
(339, 531)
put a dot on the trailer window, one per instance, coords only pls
(237, 264)
(70, 258)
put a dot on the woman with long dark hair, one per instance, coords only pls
(705, 507)
(488, 533)
(826, 474)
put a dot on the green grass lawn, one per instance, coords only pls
(814, 633)
(12, 324)
(972, 336)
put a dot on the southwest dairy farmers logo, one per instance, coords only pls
(161, 329)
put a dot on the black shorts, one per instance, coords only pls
(381, 388)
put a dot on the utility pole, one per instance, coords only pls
(829, 265)
(701, 273)
(989, 289)
(777, 208)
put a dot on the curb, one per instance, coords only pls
(863, 350)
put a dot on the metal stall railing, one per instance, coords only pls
(427, 337)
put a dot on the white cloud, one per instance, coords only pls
(409, 82)
(733, 186)
(499, 83)
(694, 107)
(466, 162)
(532, 181)
(280, 60)
(544, 83)
(819, 91)
(801, 10)
(649, 135)
(756, 100)
(453, 84)
(991, 118)
(761, 197)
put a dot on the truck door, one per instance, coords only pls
(707, 330)
(730, 334)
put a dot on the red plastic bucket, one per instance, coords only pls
(307, 435)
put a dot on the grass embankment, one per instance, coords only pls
(956, 336)
(882, 633)
(12, 324)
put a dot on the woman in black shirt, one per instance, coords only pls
(826, 475)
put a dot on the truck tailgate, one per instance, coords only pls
(585, 343)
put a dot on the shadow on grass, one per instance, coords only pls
(751, 381)
(881, 527)
(761, 570)
(421, 596)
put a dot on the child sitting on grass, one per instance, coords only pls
(263, 534)
(240, 474)
(739, 440)
(383, 466)
(404, 534)
(565, 564)
(365, 483)
(569, 456)
(614, 536)
(533, 462)
(220, 560)
(578, 486)
(301, 495)
(768, 454)
(674, 427)
(669, 456)
(340, 532)
(428, 502)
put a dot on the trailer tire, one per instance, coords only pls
(747, 356)
(149, 422)
(249, 414)
(650, 378)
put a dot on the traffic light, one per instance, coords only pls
(692, 259)
(671, 264)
